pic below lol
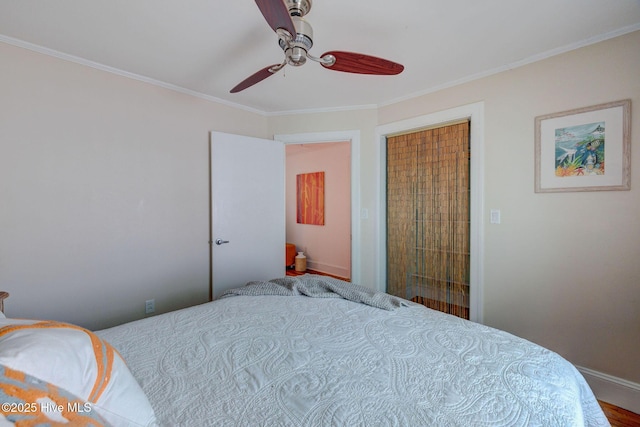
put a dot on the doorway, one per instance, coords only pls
(353, 137)
(325, 240)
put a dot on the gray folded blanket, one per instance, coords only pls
(317, 286)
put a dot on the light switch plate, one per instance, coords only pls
(495, 216)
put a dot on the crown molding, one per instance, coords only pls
(534, 58)
(98, 66)
(529, 60)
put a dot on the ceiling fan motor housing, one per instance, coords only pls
(298, 7)
(296, 49)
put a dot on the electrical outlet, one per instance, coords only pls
(149, 306)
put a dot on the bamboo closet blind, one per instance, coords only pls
(428, 210)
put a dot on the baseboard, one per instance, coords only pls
(328, 268)
(614, 390)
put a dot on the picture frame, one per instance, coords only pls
(585, 149)
(310, 198)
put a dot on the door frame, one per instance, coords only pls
(475, 113)
(352, 136)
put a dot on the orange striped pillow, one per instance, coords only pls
(79, 361)
(29, 401)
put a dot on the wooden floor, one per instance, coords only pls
(619, 417)
(292, 272)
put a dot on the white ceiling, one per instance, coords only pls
(206, 47)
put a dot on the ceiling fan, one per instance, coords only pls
(295, 37)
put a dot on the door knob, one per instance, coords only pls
(221, 242)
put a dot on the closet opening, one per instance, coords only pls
(428, 217)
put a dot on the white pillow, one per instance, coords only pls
(78, 361)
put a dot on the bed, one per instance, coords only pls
(315, 351)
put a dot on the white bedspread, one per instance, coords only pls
(299, 361)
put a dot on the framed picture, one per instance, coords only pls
(587, 149)
(310, 198)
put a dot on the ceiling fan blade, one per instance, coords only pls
(359, 63)
(257, 77)
(277, 15)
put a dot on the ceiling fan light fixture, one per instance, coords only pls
(296, 56)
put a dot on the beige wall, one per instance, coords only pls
(103, 183)
(103, 191)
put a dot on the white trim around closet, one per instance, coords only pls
(475, 113)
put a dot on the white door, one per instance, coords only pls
(247, 210)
